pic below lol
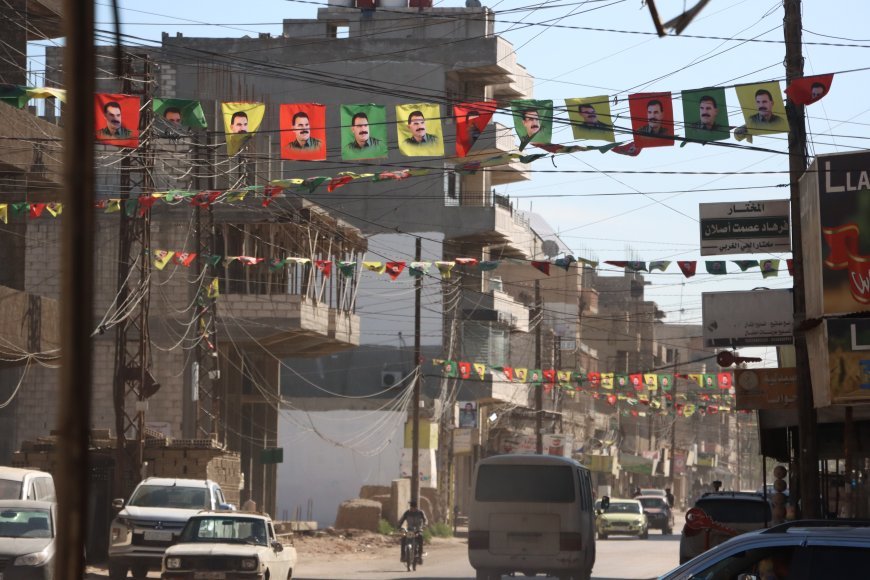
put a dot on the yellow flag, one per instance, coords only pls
(113, 206)
(4, 213)
(213, 289)
(161, 258)
(651, 380)
(480, 368)
(607, 381)
(419, 130)
(378, 267)
(522, 374)
(698, 378)
(444, 268)
(241, 121)
(54, 208)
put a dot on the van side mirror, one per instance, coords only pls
(277, 546)
(605, 503)
(118, 503)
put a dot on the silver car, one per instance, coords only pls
(27, 539)
(799, 550)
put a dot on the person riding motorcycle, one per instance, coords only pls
(416, 520)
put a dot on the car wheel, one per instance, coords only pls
(117, 571)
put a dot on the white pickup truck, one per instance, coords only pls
(223, 546)
(152, 519)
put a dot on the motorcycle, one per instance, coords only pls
(412, 548)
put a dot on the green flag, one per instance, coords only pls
(14, 95)
(182, 112)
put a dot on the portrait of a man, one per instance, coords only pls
(652, 119)
(764, 105)
(172, 116)
(817, 91)
(239, 123)
(363, 134)
(705, 114)
(418, 129)
(471, 119)
(590, 118)
(177, 116)
(533, 120)
(302, 133)
(472, 131)
(808, 90)
(708, 111)
(117, 119)
(468, 414)
(763, 109)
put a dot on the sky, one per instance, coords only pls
(614, 207)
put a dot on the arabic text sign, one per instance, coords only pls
(750, 318)
(745, 227)
(766, 388)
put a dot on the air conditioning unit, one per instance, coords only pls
(390, 378)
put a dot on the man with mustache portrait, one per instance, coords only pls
(417, 127)
(708, 110)
(532, 122)
(114, 129)
(302, 130)
(359, 127)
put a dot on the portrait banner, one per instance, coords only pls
(363, 132)
(241, 121)
(419, 130)
(178, 114)
(471, 120)
(652, 119)
(808, 90)
(590, 118)
(705, 114)
(533, 120)
(303, 131)
(763, 109)
(467, 414)
(117, 119)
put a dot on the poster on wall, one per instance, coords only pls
(467, 414)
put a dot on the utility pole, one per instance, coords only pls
(77, 280)
(808, 455)
(674, 424)
(539, 387)
(415, 424)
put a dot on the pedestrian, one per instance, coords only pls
(670, 497)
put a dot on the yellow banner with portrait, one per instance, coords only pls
(241, 121)
(419, 130)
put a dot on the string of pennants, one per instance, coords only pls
(162, 257)
(652, 390)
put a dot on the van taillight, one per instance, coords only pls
(478, 540)
(570, 542)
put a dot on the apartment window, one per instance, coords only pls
(452, 186)
(483, 343)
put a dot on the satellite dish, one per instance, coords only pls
(551, 248)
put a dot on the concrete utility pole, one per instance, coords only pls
(539, 387)
(415, 424)
(808, 457)
(77, 283)
(673, 473)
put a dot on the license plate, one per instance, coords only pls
(209, 575)
(158, 535)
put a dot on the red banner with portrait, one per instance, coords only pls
(471, 120)
(303, 131)
(117, 120)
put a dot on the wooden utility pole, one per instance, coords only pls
(539, 387)
(673, 473)
(77, 283)
(808, 454)
(415, 424)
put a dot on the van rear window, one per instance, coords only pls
(735, 511)
(525, 483)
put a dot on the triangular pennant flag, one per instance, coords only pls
(325, 267)
(687, 268)
(378, 267)
(666, 382)
(635, 266)
(464, 370)
(488, 265)
(536, 377)
(745, 264)
(213, 289)
(594, 379)
(790, 265)
(418, 269)
(250, 260)
(715, 267)
(212, 260)
(565, 262)
(36, 210)
(508, 373)
(393, 269)
(55, 208)
(636, 381)
(651, 380)
(480, 369)
(276, 264)
(549, 375)
(607, 381)
(161, 258)
(20, 208)
(542, 266)
(724, 381)
(445, 268)
(466, 261)
(611, 400)
(145, 203)
(346, 268)
(769, 268)
(299, 261)
(185, 258)
(4, 213)
(808, 90)
(522, 374)
(660, 265)
(617, 263)
(450, 368)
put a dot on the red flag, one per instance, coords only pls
(145, 203)
(117, 120)
(616, 263)
(465, 370)
(636, 381)
(36, 210)
(466, 261)
(631, 149)
(337, 182)
(549, 375)
(652, 119)
(542, 266)
(184, 258)
(471, 120)
(594, 380)
(724, 380)
(324, 266)
(508, 373)
(204, 198)
(611, 399)
(808, 90)
(394, 269)
(688, 268)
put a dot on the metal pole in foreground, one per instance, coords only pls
(77, 272)
(808, 455)
(415, 424)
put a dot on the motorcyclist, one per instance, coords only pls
(416, 520)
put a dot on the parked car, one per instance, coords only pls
(730, 512)
(152, 520)
(797, 550)
(27, 539)
(658, 513)
(622, 517)
(17, 483)
(229, 544)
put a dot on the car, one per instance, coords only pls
(18, 483)
(718, 516)
(797, 550)
(27, 539)
(152, 520)
(220, 545)
(622, 517)
(658, 513)
(652, 491)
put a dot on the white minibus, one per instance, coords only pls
(531, 514)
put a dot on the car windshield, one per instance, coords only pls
(172, 497)
(10, 489)
(735, 510)
(623, 508)
(25, 523)
(225, 530)
(652, 502)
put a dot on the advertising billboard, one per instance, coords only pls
(747, 318)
